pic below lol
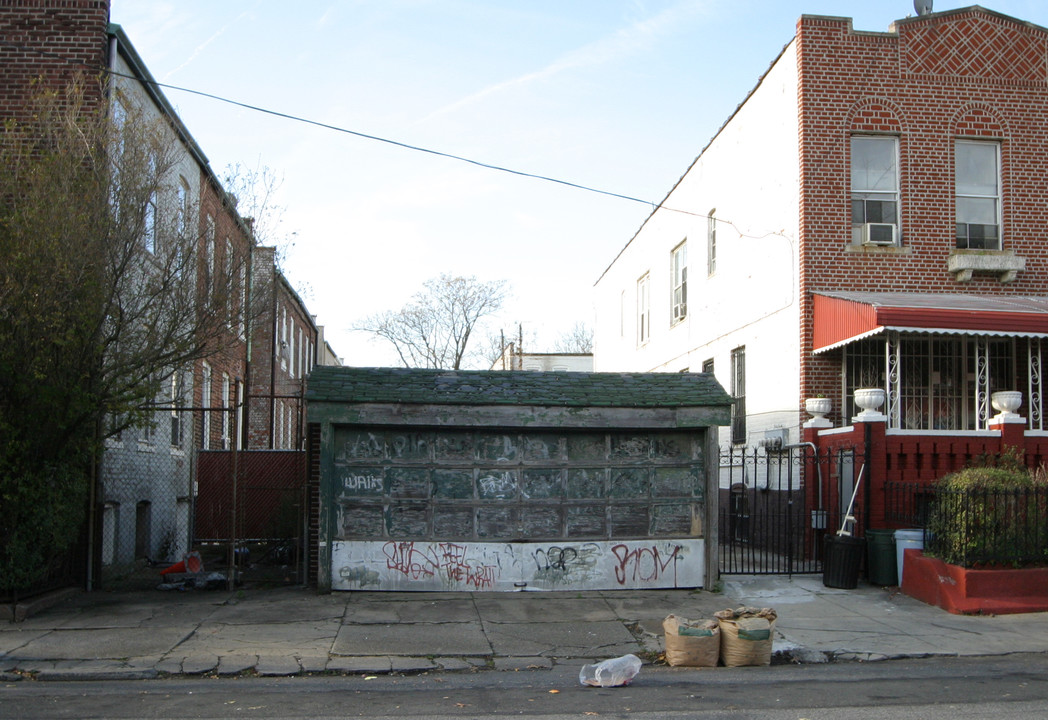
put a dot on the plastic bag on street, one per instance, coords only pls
(611, 673)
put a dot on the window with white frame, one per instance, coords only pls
(977, 184)
(290, 438)
(291, 357)
(182, 207)
(679, 272)
(225, 411)
(643, 311)
(205, 406)
(875, 190)
(240, 414)
(283, 338)
(301, 353)
(176, 413)
(209, 258)
(149, 224)
(278, 422)
(738, 394)
(711, 242)
(242, 311)
(227, 280)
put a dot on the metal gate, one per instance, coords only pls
(778, 504)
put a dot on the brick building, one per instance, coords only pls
(49, 42)
(147, 501)
(284, 348)
(871, 215)
(226, 247)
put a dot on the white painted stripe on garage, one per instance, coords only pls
(397, 565)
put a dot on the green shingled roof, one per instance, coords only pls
(563, 389)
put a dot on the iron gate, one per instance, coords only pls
(778, 504)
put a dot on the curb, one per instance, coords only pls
(35, 605)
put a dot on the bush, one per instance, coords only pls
(990, 515)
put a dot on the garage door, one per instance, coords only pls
(470, 509)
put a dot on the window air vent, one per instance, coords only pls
(878, 234)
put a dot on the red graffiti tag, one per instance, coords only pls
(426, 560)
(643, 564)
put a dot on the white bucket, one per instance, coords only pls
(907, 539)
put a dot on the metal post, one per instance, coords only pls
(866, 460)
(232, 410)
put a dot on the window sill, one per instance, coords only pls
(860, 249)
(1003, 263)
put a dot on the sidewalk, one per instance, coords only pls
(292, 630)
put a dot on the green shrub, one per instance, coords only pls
(991, 515)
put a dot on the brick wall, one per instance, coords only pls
(49, 40)
(284, 347)
(228, 356)
(966, 73)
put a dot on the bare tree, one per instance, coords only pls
(101, 302)
(255, 191)
(579, 339)
(435, 328)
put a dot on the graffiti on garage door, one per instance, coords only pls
(596, 565)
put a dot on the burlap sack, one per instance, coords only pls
(746, 636)
(691, 643)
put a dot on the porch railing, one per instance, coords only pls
(974, 527)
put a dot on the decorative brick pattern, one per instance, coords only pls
(975, 44)
(971, 73)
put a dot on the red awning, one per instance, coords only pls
(844, 317)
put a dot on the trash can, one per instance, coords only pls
(841, 561)
(907, 539)
(880, 557)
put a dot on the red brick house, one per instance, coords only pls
(226, 247)
(285, 346)
(871, 215)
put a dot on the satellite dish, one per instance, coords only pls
(923, 7)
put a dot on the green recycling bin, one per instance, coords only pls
(880, 557)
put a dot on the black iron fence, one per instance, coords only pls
(973, 527)
(777, 504)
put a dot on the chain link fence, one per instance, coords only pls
(184, 484)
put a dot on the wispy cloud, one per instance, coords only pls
(203, 46)
(622, 43)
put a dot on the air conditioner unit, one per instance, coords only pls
(878, 234)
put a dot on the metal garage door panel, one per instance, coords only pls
(441, 509)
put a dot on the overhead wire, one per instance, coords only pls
(377, 138)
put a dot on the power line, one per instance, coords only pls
(366, 136)
(328, 126)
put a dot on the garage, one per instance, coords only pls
(508, 481)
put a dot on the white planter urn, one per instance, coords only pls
(818, 407)
(869, 400)
(1006, 402)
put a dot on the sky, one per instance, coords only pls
(617, 96)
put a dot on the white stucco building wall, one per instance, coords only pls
(146, 476)
(747, 179)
